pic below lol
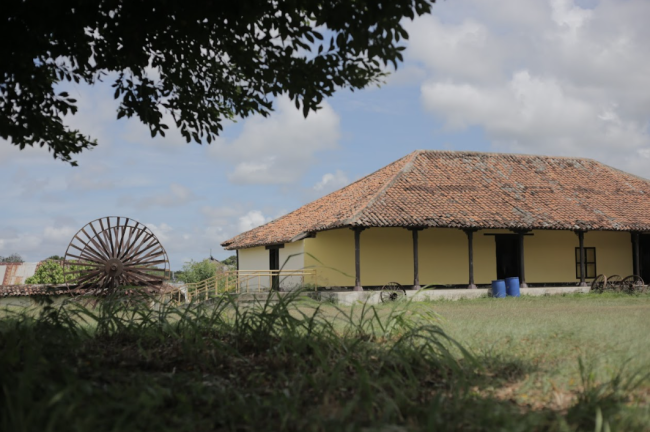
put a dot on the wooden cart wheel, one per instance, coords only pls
(614, 283)
(632, 284)
(599, 284)
(115, 251)
(392, 291)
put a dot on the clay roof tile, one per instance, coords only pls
(473, 190)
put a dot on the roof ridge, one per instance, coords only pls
(638, 177)
(382, 190)
(487, 153)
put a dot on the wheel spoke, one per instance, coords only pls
(98, 246)
(135, 241)
(144, 273)
(136, 251)
(89, 276)
(88, 251)
(147, 263)
(146, 258)
(126, 225)
(100, 240)
(127, 245)
(108, 235)
(116, 251)
(84, 259)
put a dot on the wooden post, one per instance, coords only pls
(583, 259)
(416, 259)
(470, 248)
(522, 267)
(357, 258)
(636, 267)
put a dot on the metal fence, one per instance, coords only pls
(245, 281)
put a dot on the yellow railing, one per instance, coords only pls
(244, 281)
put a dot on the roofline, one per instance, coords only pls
(532, 155)
(575, 228)
(228, 242)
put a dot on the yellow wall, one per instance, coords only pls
(550, 256)
(613, 252)
(387, 256)
(331, 253)
(443, 257)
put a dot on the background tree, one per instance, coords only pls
(199, 64)
(230, 261)
(197, 271)
(50, 272)
(13, 258)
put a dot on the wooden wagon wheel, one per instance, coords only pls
(115, 251)
(392, 291)
(632, 284)
(599, 284)
(614, 283)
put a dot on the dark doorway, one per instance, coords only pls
(644, 257)
(274, 264)
(507, 255)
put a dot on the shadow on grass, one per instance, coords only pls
(273, 366)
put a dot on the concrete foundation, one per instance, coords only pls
(373, 297)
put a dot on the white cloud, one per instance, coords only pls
(564, 80)
(35, 246)
(178, 195)
(162, 231)
(280, 148)
(223, 215)
(331, 182)
(252, 219)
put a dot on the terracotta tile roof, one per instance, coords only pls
(473, 190)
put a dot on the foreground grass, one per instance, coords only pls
(295, 365)
(557, 348)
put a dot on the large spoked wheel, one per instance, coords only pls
(599, 284)
(632, 284)
(614, 283)
(115, 251)
(392, 291)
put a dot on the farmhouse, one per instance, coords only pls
(460, 219)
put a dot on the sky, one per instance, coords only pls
(552, 77)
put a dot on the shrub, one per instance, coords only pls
(194, 271)
(50, 272)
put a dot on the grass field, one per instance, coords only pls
(551, 363)
(546, 340)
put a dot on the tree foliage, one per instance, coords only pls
(13, 258)
(50, 272)
(201, 64)
(197, 271)
(230, 261)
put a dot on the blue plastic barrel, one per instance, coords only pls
(512, 286)
(499, 288)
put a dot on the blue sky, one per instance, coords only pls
(555, 77)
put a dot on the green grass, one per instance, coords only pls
(560, 345)
(560, 363)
